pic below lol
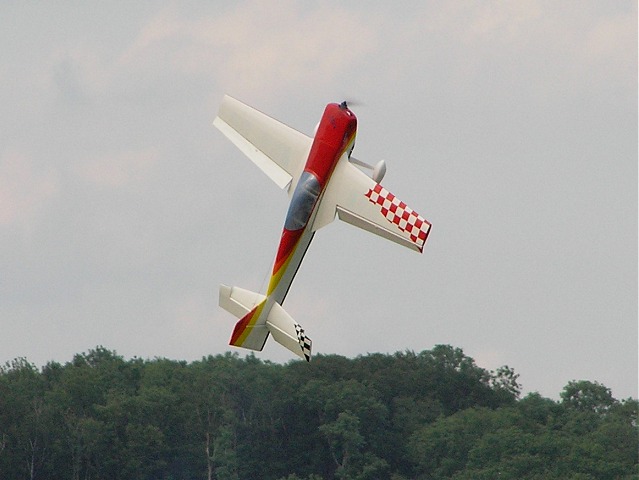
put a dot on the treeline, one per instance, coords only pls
(428, 415)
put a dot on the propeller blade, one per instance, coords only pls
(354, 103)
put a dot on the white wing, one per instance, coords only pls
(360, 201)
(279, 150)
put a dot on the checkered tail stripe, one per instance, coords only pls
(305, 342)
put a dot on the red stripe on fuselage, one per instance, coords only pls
(287, 244)
(334, 133)
(241, 326)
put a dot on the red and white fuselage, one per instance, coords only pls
(326, 185)
(334, 138)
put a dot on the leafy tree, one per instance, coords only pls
(442, 449)
(505, 380)
(346, 445)
(214, 421)
(433, 414)
(293, 476)
(587, 396)
(23, 432)
(535, 438)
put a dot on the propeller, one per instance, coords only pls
(348, 103)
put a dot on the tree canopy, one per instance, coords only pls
(428, 415)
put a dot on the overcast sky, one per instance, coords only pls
(510, 125)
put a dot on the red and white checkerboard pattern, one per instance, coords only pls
(397, 212)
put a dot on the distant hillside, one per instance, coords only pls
(428, 415)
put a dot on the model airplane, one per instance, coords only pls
(322, 182)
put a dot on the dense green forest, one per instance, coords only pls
(428, 415)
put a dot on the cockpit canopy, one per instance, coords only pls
(304, 198)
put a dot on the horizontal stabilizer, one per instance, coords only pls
(238, 301)
(247, 306)
(288, 333)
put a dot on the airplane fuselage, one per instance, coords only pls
(334, 138)
(326, 184)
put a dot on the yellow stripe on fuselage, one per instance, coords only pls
(249, 326)
(277, 276)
